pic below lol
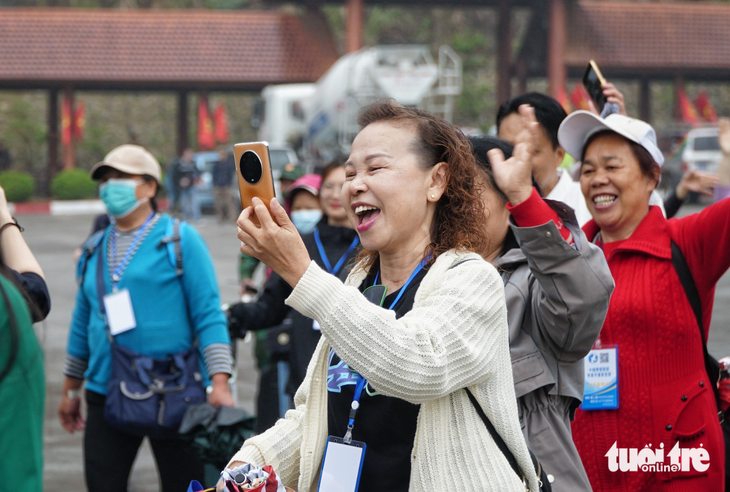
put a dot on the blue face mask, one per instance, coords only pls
(306, 220)
(119, 197)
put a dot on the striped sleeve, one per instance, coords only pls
(218, 358)
(75, 367)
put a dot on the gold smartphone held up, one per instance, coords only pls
(255, 178)
(592, 80)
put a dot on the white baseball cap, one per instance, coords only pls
(130, 159)
(578, 127)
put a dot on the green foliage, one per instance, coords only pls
(398, 25)
(25, 133)
(93, 147)
(19, 186)
(225, 4)
(468, 41)
(73, 184)
(475, 102)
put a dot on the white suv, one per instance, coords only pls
(702, 150)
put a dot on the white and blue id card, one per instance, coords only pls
(601, 379)
(341, 466)
(119, 312)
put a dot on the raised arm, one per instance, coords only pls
(704, 238)
(15, 252)
(574, 283)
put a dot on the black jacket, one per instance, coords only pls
(270, 311)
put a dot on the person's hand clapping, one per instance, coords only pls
(276, 243)
(514, 176)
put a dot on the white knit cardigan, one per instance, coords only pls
(454, 337)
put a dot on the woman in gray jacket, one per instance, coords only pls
(557, 288)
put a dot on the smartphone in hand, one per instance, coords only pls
(592, 80)
(255, 177)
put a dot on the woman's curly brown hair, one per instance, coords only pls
(459, 219)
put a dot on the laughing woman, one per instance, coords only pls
(664, 394)
(411, 190)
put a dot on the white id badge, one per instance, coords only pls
(601, 379)
(341, 466)
(119, 312)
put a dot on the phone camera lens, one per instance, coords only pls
(250, 167)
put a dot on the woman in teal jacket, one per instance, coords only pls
(171, 313)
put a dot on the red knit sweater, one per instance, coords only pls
(664, 395)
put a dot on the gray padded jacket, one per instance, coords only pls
(557, 296)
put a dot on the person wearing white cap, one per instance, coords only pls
(663, 396)
(126, 273)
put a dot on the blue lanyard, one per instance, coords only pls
(361, 381)
(117, 272)
(323, 253)
(405, 286)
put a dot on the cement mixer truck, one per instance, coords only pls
(320, 119)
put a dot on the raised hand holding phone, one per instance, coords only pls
(276, 242)
(255, 177)
(593, 82)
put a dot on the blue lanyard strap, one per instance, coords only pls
(405, 286)
(117, 272)
(323, 253)
(361, 381)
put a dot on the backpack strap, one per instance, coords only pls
(495, 435)
(690, 289)
(87, 252)
(172, 241)
(688, 284)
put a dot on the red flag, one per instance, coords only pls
(206, 140)
(563, 100)
(79, 121)
(687, 109)
(220, 121)
(705, 107)
(579, 97)
(66, 123)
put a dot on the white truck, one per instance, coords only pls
(321, 118)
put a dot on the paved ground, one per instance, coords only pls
(53, 240)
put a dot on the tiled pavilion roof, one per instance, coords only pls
(651, 36)
(231, 50)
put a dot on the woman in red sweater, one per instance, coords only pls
(664, 394)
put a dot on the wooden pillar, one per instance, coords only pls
(504, 50)
(69, 148)
(644, 100)
(354, 24)
(182, 122)
(52, 168)
(556, 47)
